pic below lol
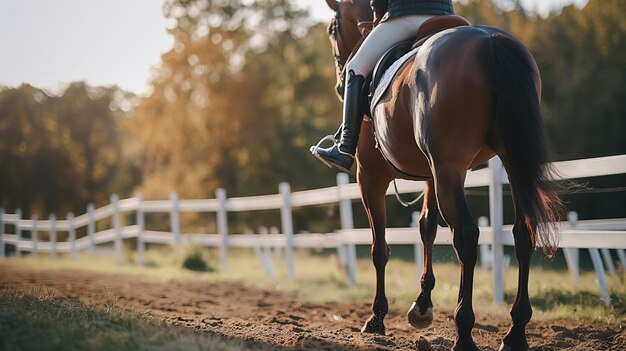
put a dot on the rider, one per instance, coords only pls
(397, 20)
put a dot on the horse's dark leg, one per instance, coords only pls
(521, 312)
(453, 207)
(373, 188)
(420, 314)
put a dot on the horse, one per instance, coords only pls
(469, 94)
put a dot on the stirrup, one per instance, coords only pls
(331, 138)
(316, 154)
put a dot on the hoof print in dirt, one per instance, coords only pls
(423, 345)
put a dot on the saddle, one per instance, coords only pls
(429, 28)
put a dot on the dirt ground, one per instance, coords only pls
(277, 318)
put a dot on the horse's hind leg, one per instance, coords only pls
(373, 188)
(449, 181)
(521, 312)
(420, 314)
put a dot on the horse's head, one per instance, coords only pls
(352, 22)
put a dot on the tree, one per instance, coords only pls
(234, 100)
(584, 72)
(58, 153)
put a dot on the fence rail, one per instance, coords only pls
(596, 235)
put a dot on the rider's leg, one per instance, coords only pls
(374, 46)
(383, 37)
(341, 155)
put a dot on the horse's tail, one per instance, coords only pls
(513, 76)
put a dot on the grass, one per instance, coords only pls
(321, 279)
(40, 321)
(194, 261)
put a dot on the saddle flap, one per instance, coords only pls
(388, 58)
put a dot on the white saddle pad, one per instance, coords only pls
(385, 81)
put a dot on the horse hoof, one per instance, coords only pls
(420, 320)
(514, 341)
(374, 325)
(521, 347)
(469, 346)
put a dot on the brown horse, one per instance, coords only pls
(469, 94)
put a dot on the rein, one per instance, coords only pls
(405, 204)
(336, 32)
(341, 45)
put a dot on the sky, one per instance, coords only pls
(51, 43)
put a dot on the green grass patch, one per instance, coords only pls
(40, 321)
(321, 279)
(194, 261)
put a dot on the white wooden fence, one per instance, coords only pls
(598, 236)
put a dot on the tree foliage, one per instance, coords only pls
(580, 53)
(584, 74)
(60, 152)
(237, 100)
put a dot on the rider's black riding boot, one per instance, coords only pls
(341, 155)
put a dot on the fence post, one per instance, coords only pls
(621, 254)
(141, 245)
(266, 255)
(600, 274)
(572, 255)
(418, 248)
(608, 262)
(287, 224)
(222, 226)
(175, 222)
(72, 235)
(496, 216)
(2, 249)
(18, 232)
(116, 228)
(33, 235)
(53, 235)
(91, 229)
(485, 251)
(279, 251)
(347, 223)
(595, 259)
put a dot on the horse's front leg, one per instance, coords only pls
(420, 314)
(373, 187)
